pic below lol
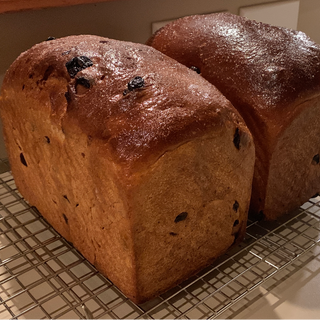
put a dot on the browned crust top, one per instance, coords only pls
(260, 65)
(171, 106)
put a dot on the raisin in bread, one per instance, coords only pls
(272, 76)
(138, 161)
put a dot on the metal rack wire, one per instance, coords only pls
(43, 276)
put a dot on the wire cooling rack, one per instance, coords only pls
(43, 276)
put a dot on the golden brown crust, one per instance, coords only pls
(275, 66)
(267, 73)
(166, 107)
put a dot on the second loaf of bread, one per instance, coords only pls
(272, 76)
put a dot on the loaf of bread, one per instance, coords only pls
(272, 76)
(134, 158)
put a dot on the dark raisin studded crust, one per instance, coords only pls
(272, 76)
(138, 161)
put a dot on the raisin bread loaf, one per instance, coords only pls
(138, 161)
(272, 76)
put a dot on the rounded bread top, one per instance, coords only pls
(254, 63)
(140, 102)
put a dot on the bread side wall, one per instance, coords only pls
(190, 207)
(60, 173)
(294, 174)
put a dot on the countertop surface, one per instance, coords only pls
(294, 293)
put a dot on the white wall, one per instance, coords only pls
(123, 19)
